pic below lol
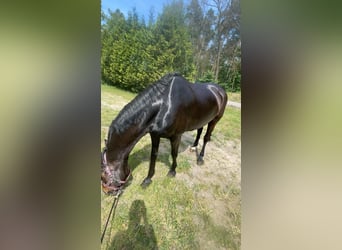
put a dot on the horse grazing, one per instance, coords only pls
(166, 109)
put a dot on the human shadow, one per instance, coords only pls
(139, 234)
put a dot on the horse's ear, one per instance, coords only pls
(105, 140)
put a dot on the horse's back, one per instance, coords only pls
(189, 106)
(201, 98)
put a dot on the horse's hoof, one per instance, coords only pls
(146, 183)
(171, 173)
(193, 149)
(200, 161)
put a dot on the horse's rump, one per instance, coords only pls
(189, 106)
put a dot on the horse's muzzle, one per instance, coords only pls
(109, 189)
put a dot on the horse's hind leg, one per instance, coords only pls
(175, 140)
(194, 146)
(154, 152)
(211, 126)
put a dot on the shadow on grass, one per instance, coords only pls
(139, 234)
(164, 156)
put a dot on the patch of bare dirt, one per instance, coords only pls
(107, 101)
(222, 163)
(218, 178)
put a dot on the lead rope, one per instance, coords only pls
(115, 203)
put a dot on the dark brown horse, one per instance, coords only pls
(165, 109)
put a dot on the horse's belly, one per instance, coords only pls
(199, 122)
(187, 121)
(181, 125)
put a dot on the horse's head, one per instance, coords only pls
(113, 176)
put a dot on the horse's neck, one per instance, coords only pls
(121, 144)
(131, 124)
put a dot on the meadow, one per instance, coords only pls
(198, 209)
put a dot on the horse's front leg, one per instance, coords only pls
(154, 153)
(175, 140)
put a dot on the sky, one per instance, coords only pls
(142, 6)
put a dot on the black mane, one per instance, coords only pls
(136, 110)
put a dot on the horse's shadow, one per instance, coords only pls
(139, 234)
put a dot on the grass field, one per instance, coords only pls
(234, 96)
(198, 209)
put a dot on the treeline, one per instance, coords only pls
(201, 41)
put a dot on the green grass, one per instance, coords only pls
(234, 96)
(168, 214)
(230, 125)
(107, 89)
(163, 218)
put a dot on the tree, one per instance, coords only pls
(172, 31)
(221, 9)
(214, 26)
(200, 41)
(112, 26)
(134, 55)
(230, 66)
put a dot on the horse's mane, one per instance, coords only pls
(135, 111)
